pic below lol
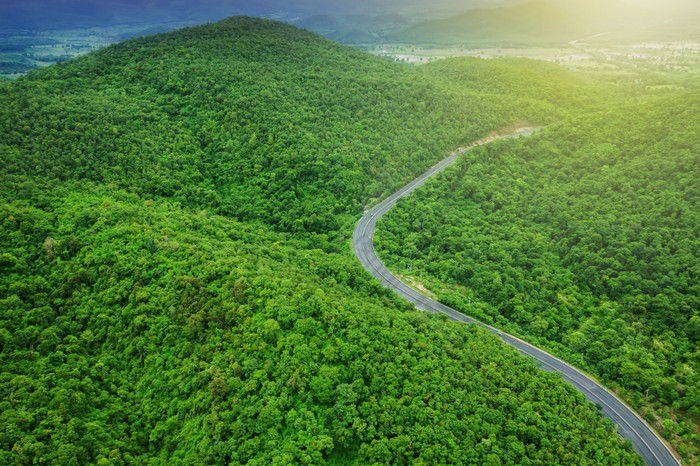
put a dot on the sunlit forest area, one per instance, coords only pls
(178, 285)
(583, 239)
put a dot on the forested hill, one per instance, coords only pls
(257, 119)
(175, 280)
(584, 239)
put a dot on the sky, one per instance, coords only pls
(666, 4)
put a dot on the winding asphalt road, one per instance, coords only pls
(645, 441)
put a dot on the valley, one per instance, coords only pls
(655, 67)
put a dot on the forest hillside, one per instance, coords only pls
(583, 239)
(176, 279)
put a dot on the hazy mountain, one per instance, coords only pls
(540, 21)
(363, 21)
(536, 21)
(354, 29)
(617, 21)
(612, 14)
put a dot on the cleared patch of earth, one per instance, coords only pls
(415, 284)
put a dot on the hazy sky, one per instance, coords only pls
(667, 4)
(333, 4)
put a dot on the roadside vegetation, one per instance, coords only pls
(582, 239)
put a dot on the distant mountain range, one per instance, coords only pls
(537, 20)
(64, 14)
(355, 29)
(534, 22)
(368, 22)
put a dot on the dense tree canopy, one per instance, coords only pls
(585, 239)
(177, 284)
(259, 120)
(135, 330)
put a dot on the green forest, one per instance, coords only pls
(584, 239)
(177, 283)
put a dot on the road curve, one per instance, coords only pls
(645, 441)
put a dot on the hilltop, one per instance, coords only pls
(256, 119)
